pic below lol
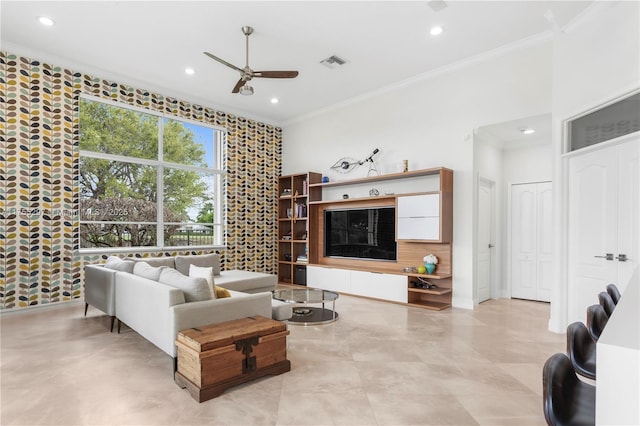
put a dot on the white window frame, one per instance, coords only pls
(218, 175)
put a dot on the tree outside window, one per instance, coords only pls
(146, 180)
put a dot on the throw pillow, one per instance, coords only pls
(194, 289)
(206, 273)
(204, 260)
(221, 292)
(143, 269)
(115, 263)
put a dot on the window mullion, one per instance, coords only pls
(160, 185)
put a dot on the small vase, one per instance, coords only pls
(430, 267)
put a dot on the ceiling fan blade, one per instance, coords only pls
(275, 74)
(222, 61)
(238, 85)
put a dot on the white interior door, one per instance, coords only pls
(524, 241)
(532, 241)
(603, 223)
(485, 238)
(628, 216)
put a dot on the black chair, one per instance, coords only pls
(614, 293)
(607, 302)
(596, 321)
(581, 350)
(566, 399)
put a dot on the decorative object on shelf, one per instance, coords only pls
(373, 192)
(405, 166)
(286, 192)
(345, 196)
(421, 269)
(430, 262)
(410, 269)
(347, 164)
(325, 179)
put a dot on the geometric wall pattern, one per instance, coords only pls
(40, 262)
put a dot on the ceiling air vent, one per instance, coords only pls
(437, 5)
(333, 62)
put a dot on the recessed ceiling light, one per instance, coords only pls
(46, 21)
(275, 100)
(437, 30)
(527, 130)
(189, 71)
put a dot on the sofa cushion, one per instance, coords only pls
(247, 281)
(156, 261)
(221, 292)
(206, 273)
(117, 264)
(194, 289)
(204, 260)
(143, 269)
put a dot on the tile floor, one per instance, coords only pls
(379, 364)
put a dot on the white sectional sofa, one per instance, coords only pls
(157, 302)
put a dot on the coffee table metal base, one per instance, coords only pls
(306, 315)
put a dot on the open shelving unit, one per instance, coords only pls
(295, 193)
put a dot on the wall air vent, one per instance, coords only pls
(333, 62)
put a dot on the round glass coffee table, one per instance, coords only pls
(308, 315)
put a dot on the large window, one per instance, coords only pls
(147, 180)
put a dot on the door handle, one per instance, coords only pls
(622, 257)
(491, 245)
(608, 256)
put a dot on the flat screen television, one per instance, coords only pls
(362, 233)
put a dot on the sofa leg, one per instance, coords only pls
(86, 306)
(119, 322)
(175, 366)
(113, 319)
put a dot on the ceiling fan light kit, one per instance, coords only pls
(246, 73)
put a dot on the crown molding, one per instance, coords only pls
(522, 44)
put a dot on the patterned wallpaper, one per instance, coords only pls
(39, 223)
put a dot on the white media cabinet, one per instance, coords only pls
(424, 220)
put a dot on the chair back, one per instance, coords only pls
(614, 293)
(581, 350)
(596, 321)
(607, 302)
(566, 400)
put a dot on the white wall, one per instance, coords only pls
(596, 61)
(430, 123)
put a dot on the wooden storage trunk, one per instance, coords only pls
(216, 357)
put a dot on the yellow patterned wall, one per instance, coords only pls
(39, 229)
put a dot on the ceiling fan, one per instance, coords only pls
(246, 73)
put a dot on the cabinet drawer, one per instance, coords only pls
(419, 228)
(426, 205)
(380, 286)
(329, 279)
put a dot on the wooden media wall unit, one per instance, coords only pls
(423, 225)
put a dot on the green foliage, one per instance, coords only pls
(205, 215)
(112, 130)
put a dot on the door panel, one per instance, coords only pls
(523, 241)
(593, 218)
(629, 220)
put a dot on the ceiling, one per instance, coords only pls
(509, 135)
(149, 44)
